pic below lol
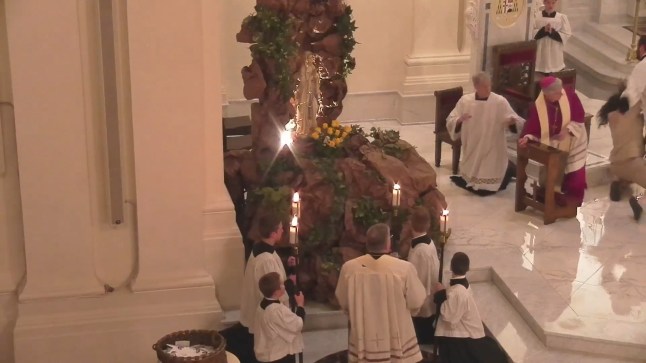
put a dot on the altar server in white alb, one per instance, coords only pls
(552, 31)
(460, 333)
(277, 329)
(263, 260)
(481, 120)
(379, 292)
(423, 255)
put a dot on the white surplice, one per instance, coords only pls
(277, 332)
(459, 316)
(484, 145)
(549, 56)
(636, 86)
(427, 264)
(379, 296)
(257, 267)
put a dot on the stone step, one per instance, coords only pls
(610, 35)
(595, 78)
(511, 330)
(599, 49)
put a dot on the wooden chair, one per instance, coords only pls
(513, 73)
(551, 159)
(445, 101)
(236, 133)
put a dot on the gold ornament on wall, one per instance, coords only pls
(507, 12)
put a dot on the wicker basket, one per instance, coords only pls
(203, 337)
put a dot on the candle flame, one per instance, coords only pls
(396, 186)
(295, 221)
(445, 212)
(296, 198)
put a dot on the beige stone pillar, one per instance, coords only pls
(44, 48)
(434, 62)
(223, 246)
(167, 74)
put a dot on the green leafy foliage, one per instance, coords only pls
(275, 200)
(273, 37)
(367, 213)
(346, 27)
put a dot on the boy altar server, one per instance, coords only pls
(277, 329)
(263, 260)
(423, 255)
(459, 332)
(552, 32)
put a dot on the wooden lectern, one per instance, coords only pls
(552, 160)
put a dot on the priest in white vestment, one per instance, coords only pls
(460, 333)
(481, 120)
(379, 292)
(552, 31)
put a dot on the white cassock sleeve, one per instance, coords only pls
(452, 119)
(415, 291)
(563, 27)
(422, 266)
(506, 112)
(285, 323)
(636, 85)
(454, 307)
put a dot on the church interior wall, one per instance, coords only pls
(12, 254)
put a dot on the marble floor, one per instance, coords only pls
(571, 291)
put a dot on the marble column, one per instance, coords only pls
(434, 62)
(64, 313)
(167, 75)
(48, 93)
(223, 246)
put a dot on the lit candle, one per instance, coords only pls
(396, 195)
(296, 205)
(293, 231)
(445, 219)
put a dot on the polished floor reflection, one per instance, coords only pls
(579, 284)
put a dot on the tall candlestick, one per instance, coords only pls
(293, 231)
(396, 195)
(296, 205)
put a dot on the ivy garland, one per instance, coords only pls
(346, 27)
(273, 38)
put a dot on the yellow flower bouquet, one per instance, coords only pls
(330, 137)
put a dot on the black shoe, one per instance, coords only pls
(637, 209)
(615, 191)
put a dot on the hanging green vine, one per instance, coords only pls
(346, 27)
(273, 38)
